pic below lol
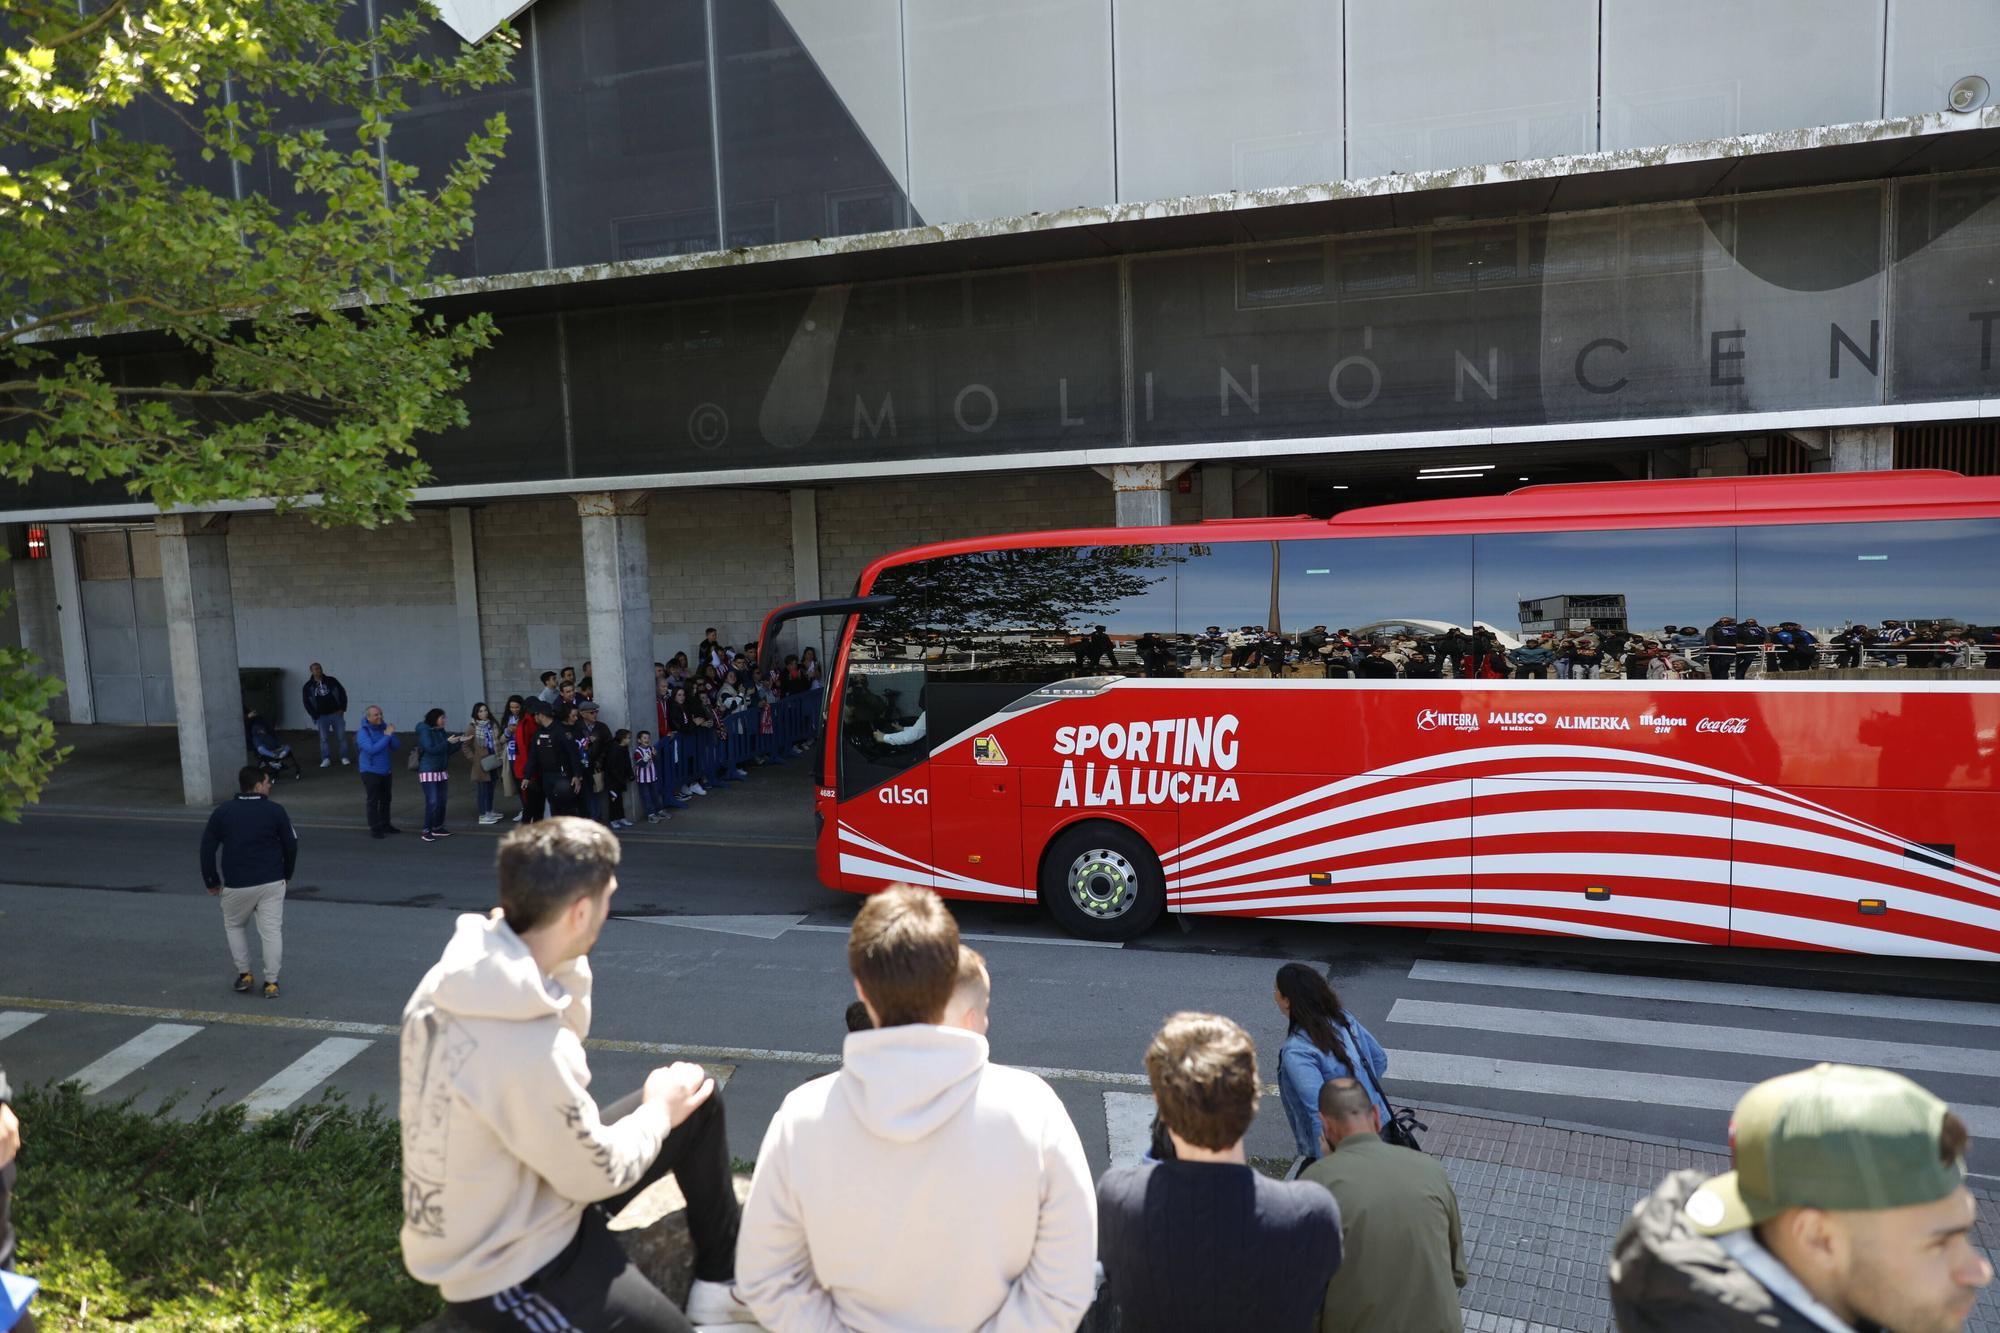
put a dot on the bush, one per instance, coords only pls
(142, 1222)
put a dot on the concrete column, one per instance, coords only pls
(618, 602)
(1140, 489)
(805, 567)
(69, 620)
(1863, 448)
(201, 641)
(465, 607)
(1218, 491)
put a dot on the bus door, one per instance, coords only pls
(885, 777)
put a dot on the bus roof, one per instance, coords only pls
(1827, 497)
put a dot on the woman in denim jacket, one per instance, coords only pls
(1321, 1042)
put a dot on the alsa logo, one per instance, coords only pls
(904, 796)
(1728, 726)
(1432, 720)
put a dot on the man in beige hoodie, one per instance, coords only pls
(920, 1188)
(510, 1170)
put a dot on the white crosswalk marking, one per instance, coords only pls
(1711, 992)
(1800, 1046)
(133, 1056)
(1711, 1094)
(302, 1076)
(1128, 1124)
(13, 1020)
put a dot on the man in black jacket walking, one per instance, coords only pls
(326, 704)
(259, 851)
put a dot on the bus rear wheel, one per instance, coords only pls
(1102, 882)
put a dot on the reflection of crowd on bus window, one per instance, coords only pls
(1728, 649)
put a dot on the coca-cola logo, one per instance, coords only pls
(1728, 726)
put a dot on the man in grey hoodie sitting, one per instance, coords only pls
(921, 1187)
(510, 1170)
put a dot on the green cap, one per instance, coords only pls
(1834, 1137)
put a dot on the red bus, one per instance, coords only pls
(1758, 712)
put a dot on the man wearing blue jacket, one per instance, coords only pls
(259, 851)
(377, 743)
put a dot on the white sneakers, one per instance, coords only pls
(345, 762)
(491, 817)
(328, 763)
(714, 1304)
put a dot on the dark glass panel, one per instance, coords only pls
(631, 161)
(794, 163)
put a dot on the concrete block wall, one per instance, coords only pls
(860, 522)
(374, 606)
(41, 627)
(531, 611)
(721, 558)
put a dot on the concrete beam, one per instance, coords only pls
(805, 567)
(465, 607)
(1140, 492)
(1863, 448)
(201, 642)
(1218, 491)
(618, 606)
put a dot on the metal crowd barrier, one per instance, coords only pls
(709, 756)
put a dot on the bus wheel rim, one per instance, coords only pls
(1103, 884)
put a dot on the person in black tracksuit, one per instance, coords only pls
(554, 764)
(1721, 654)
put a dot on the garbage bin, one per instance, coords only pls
(260, 691)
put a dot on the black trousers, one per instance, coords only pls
(377, 786)
(591, 1286)
(532, 802)
(563, 801)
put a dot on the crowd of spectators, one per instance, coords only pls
(924, 1187)
(715, 718)
(1726, 649)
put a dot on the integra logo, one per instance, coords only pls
(1432, 720)
(904, 796)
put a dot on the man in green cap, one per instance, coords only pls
(1847, 1212)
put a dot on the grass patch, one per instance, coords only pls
(136, 1221)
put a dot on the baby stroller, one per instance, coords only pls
(266, 750)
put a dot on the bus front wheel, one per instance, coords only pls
(1102, 882)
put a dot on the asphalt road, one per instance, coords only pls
(112, 964)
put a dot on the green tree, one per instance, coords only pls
(195, 347)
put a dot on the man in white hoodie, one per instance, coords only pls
(510, 1170)
(920, 1188)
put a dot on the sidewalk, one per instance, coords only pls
(137, 771)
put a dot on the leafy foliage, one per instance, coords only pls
(198, 347)
(145, 1223)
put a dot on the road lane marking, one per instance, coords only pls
(131, 1057)
(1128, 1126)
(1706, 1094)
(202, 1016)
(1730, 993)
(302, 1075)
(99, 813)
(1794, 1046)
(13, 1021)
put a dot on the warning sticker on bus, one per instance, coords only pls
(986, 750)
